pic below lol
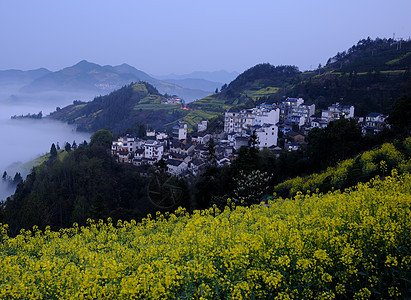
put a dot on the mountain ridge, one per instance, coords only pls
(214, 76)
(91, 77)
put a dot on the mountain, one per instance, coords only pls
(131, 105)
(82, 76)
(194, 83)
(216, 76)
(8, 77)
(370, 75)
(87, 76)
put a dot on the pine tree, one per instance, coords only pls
(53, 151)
(67, 147)
(4, 176)
(17, 178)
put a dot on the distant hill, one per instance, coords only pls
(370, 75)
(194, 83)
(91, 77)
(216, 76)
(8, 77)
(82, 76)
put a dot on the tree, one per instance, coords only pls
(67, 147)
(102, 137)
(253, 142)
(338, 141)
(224, 87)
(211, 154)
(247, 159)
(161, 166)
(251, 187)
(74, 145)
(53, 151)
(17, 178)
(216, 91)
(400, 116)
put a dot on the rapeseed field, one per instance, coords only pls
(340, 245)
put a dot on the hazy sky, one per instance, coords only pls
(180, 36)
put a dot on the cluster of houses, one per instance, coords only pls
(173, 100)
(294, 119)
(182, 154)
(187, 154)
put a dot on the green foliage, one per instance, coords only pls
(380, 161)
(341, 139)
(102, 137)
(250, 187)
(400, 116)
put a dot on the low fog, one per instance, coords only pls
(26, 139)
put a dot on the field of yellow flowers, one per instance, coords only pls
(351, 244)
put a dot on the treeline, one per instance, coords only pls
(372, 55)
(28, 116)
(11, 182)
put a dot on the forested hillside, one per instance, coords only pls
(370, 75)
(136, 103)
(259, 81)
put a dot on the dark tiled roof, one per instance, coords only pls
(173, 162)
(373, 115)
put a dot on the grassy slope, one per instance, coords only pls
(27, 166)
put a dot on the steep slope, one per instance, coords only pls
(135, 103)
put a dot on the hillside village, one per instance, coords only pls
(277, 127)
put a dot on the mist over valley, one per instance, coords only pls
(27, 139)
